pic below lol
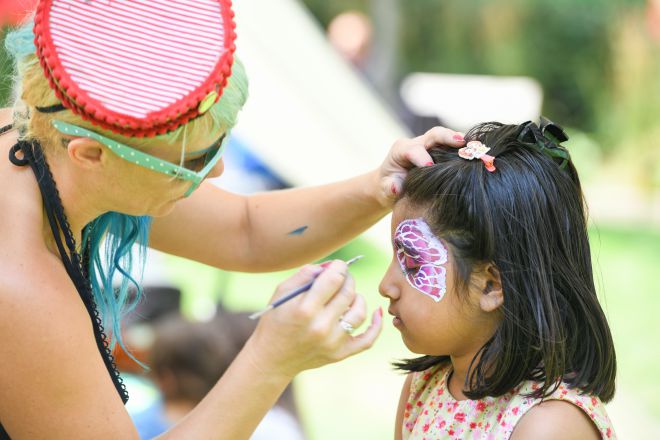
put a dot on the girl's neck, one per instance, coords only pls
(456, 382)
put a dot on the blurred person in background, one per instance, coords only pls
(188, 358)
(351, 33)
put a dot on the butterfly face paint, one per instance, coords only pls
(422, 257)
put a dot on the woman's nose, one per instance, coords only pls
(217, 169)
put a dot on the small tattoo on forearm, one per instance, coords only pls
(300, 231)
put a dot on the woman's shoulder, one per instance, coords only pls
(5, 116)
(33, 282)
(49, 360)
(6, 119)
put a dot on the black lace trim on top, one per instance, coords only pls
(51, 108)
(6, 128)
(76, 265)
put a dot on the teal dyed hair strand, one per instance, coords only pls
(110, 239)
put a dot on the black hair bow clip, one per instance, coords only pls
(546, 138)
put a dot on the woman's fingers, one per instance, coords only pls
(416, 151)
(407, 153)
(306, 274)
(340, 316)
(329, 284)
(306, 332)
(441, 136)
(413, 151)
(363, 341)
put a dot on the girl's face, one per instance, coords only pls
(433, 318)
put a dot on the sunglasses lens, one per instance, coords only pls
(211, 155)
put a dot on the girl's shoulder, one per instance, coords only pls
(559, 420)
(431, 411)
(565, 407)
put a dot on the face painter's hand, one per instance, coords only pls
(409, 153)
(305, 333)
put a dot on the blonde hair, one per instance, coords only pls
(31, 89)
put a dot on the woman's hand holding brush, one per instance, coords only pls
(314, 328)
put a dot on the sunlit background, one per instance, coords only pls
(334, 83)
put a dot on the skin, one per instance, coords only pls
(49, 361)
(458, 326)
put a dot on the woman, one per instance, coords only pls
(67, 233)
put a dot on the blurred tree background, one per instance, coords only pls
(599, 65)
(597, 60)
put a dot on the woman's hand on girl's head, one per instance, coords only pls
(305, 332)
(408, 153)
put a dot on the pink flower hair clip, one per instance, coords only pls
(477, 150)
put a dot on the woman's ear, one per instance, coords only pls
(492, 296)
(85, 152)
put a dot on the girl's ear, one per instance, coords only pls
(491, 289)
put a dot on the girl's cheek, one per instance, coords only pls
(430, 280)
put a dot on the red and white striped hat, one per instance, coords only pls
(136, 67)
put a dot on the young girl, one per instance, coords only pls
(491, 282)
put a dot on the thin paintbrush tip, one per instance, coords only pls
(257, 315)
(354, 259)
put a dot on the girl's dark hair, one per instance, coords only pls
(528, 218)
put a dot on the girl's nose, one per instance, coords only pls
(388, 286)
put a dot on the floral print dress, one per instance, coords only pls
(432, 413)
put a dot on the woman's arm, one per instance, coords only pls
(403, 400)
(258, 233)
(255, 233)
(55, 386)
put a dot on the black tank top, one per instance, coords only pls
(76, 265)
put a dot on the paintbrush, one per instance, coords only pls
(296, 292)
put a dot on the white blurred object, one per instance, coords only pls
(310, 117)
(461, 101)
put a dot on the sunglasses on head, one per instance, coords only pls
(198, 167)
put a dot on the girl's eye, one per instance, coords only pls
(410, 264)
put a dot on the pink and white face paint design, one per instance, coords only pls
(422, 257)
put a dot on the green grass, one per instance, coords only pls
(626, 261)
(357, 399)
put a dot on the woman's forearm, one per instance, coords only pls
(269, 231)
(292, 227)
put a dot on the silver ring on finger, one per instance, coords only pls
(346, 326)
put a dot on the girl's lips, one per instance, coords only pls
(396, 322)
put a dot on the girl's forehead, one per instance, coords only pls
(403, 211)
